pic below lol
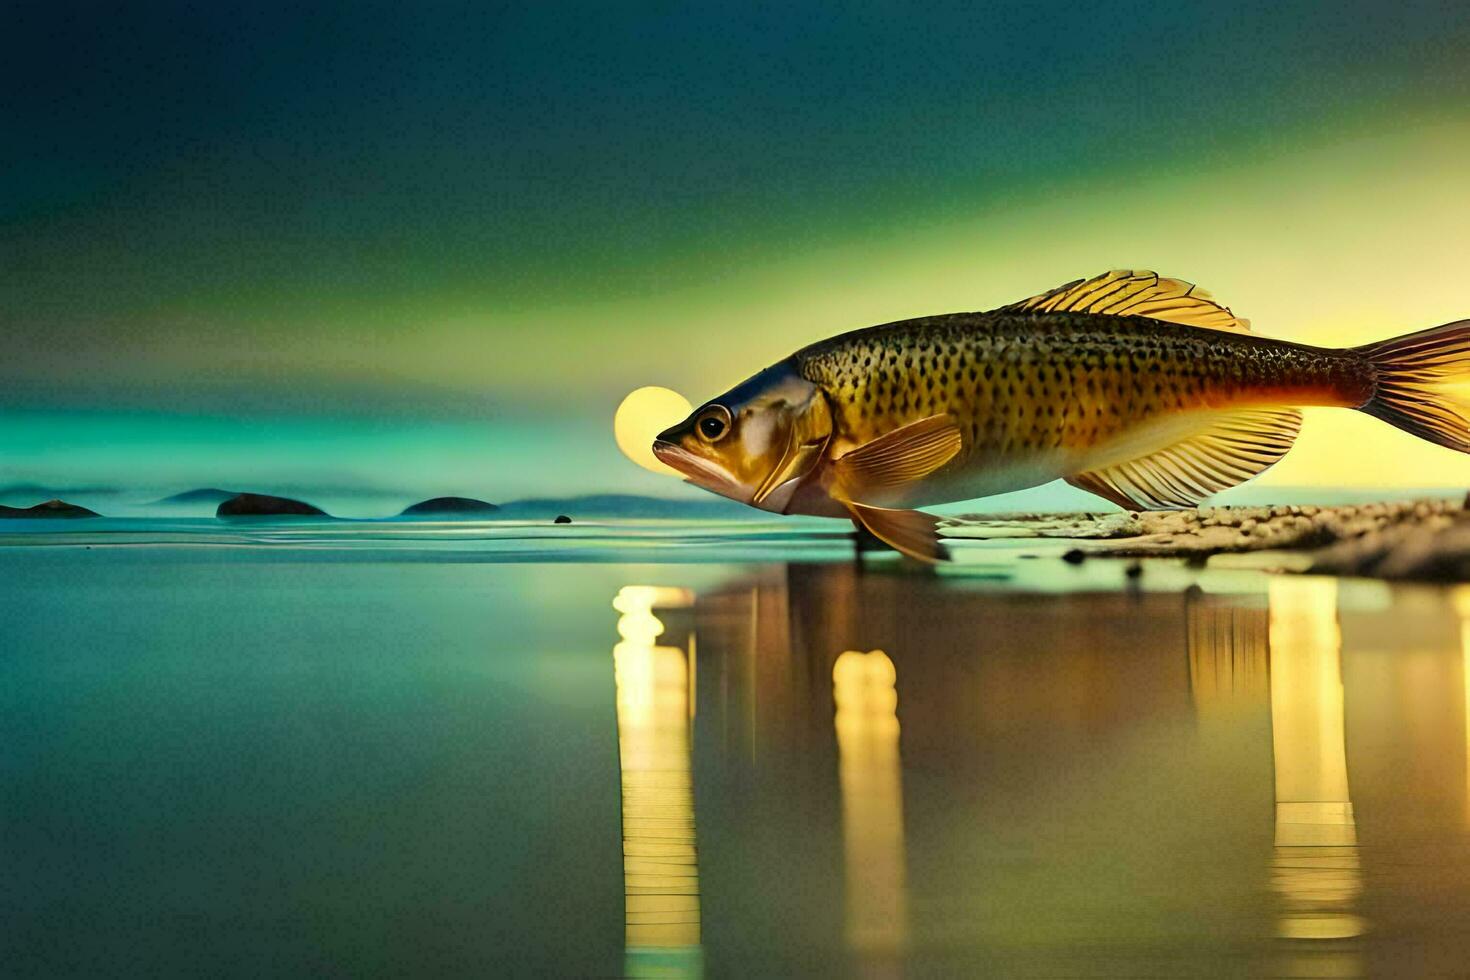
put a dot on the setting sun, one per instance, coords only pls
(643, 415)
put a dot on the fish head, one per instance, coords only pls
(755, 443)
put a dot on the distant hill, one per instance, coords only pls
(204, 495)
(627, 506)
(581, 508)
(44, 492)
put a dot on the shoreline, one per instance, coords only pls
(1426, 540)
(1419, 539)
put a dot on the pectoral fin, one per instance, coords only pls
(905, 455)
(912, 532)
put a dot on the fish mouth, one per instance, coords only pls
(687, 463)
(669, 454)
(698, 470)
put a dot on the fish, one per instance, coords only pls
(1139, 388)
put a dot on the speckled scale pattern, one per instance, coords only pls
(1022, 382)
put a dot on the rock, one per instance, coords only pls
(1432, 551)
(265, 505)
(449, 507)
(49, 509)
(562, 519)
(1075, 556)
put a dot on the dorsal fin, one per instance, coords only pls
(1225, 449)
(1134, 292)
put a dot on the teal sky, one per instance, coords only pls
(433, 244)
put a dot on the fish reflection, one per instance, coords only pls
(1316, 872)
(864, 686)
(1228, 655)
(660, 857)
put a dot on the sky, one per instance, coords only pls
(430, 246)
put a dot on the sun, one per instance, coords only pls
(643, 415)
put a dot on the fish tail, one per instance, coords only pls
(1422, 383)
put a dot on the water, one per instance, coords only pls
(429, 752)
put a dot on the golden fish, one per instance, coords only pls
(1140, 389)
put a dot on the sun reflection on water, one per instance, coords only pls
(1316, 871)
(864, 687)
(1461, 600)
(660, 854)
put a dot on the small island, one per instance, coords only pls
(47, 510)
(464, 507)
(266, 505)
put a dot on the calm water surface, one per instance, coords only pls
(278, 761)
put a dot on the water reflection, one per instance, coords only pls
(1080, 775)
(1461, 600)
(660, 857)
(864, 687)
(1228, 652)
(1316, 868)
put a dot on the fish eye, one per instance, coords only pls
(713, 423)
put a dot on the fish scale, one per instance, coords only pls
(1019, 382)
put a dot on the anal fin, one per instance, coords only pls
(1226, 449)
(911, 532)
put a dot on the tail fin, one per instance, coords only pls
(1423, 383)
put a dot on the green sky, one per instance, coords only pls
(467, 231)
